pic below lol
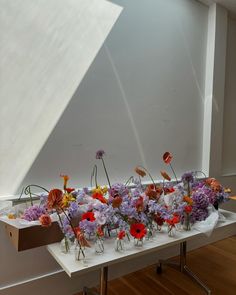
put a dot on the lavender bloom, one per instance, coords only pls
(80, 197)
(198, 214)
(33, 213)
(118, 189)
(43, 198)
(100, 154)
(66, 228)
(85, 190)
(73, 209)
(89, 227)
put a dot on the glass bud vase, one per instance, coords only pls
(171, 230)
(99, 246)
(138, 242)
(186, 223)
(119, 245)
(80, 254)
(65, 245)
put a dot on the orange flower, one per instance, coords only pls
(45, 220)
(165, 175)
(100, 197)
(116, 202)
(65, 178)
(167, 157)
(140, 171)
(188, 200)
(54, 199)
(214, 184)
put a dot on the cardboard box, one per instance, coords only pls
(24, 238)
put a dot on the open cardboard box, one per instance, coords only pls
(27, 237)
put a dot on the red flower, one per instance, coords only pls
(81, 238)
(153, 192)
(121, 234)
(159, 220)
(100, 197)
(54, 199)
(69, 190)
(188, 209)
(45, 220)
(100, 232)
(173, 220)
(168, 190)
(167, 157)
(138, 230)
(88, 216)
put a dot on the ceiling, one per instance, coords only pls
(229, 4)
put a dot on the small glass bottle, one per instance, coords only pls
(99, 245)
(65, 245)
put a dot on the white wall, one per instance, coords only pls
(142, 96)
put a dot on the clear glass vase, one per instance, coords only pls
(65, 245)
(119, 245)
(171, 230)
(186, 223)
(138, 242)
(80, 253)
(99, 246)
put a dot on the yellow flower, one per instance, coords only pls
(67, 198)
(100, 190)
(11, 216)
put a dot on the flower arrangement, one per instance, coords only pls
(89, 217)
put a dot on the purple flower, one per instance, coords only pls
(198, 214)
(188, 177)
(33, 213)
(73, 209)
(89, 227)
(100, 154)
(200, 199)
(118, 189)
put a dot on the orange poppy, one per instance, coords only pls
(165, 175)
(55, 197)
(167, 157)
(140, 171)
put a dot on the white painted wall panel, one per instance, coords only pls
(229, 140)
(143, 95)
(46, 48)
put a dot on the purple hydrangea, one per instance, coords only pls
(34, 212)
(198, 214)
(200, 199)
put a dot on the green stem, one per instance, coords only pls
(173, 172)
(94, 175)
(106, 172)
(148, 175)
(82, 251)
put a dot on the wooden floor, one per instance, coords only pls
(215, 264)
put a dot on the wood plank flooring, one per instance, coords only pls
(215, 265)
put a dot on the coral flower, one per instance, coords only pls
(99, 232)
(167, 157)
(100, 197)
(153, 192)
(88, 216)
(54, 199)
(140, 171)
(45, 220)
(165, 175)
(138, 230)
(173, 220)
(81, 239)
(121, 235)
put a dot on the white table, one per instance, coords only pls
(161, 240)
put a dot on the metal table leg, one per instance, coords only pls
(103, 284)
(182, 266)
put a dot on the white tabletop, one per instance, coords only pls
(110, 256)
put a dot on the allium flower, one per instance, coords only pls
(100, 154)
(33, 213)
(188, 177)
(45, 220)
(138, 230)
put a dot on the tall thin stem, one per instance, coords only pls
(94, 175)
(106, 172)
(148, 174)
(173, 172)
